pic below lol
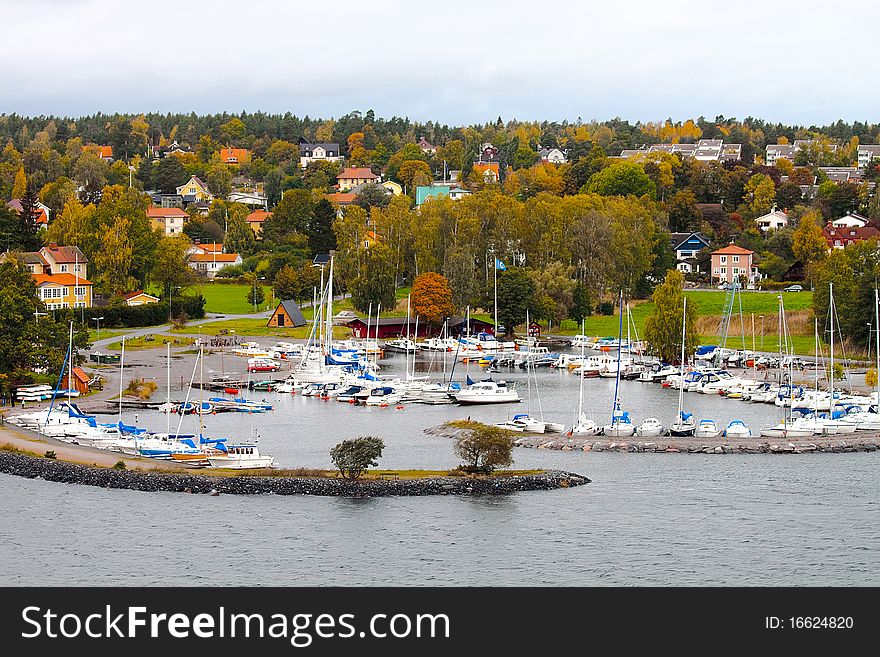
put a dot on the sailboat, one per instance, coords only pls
(684, 424)
(621, 424)
(870, 420)
(583, 426)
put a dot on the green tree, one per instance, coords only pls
(57, 193)
(432, 297)
(319, 228)
(296, 283)
(684, 215)
(484, 447)
(171, 268)
(74, 225)
(26, 237)
(90, 172)
(219, 179)
(413, 173)
(622, 179)
(114, 257)
(556, 283)
(375, 282)
(355, 456)
(372, 195)
(240, 237)
(663, 327)
(256, 295)
(292, 215)
(582, 303)
(516, 295)
(808, 243)
(170, 174)
(233, 130)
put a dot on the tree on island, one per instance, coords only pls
(483, 447)
(663, 328)
(353, 457)
(432, 297)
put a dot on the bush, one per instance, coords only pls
(606, 308)
(230, 271)
(151, 314)
(119, 465)
(484, 448)
(353, 457)
(50, 455)
(871, 377)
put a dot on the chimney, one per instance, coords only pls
(53, 246)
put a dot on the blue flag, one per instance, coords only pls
(500, 265)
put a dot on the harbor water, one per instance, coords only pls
(647, 519)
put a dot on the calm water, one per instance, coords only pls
(645, 519)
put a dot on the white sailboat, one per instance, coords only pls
(684, 424)
(621, 424)
(583, 426)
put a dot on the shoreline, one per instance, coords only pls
(868, 442)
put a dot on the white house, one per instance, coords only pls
(208, 264)
(552, 155)
(867, 153)
(850, 220)
(326, 152)
(773, 220)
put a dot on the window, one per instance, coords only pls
(77, 268)
(63, 269)
(735, 271)
(79, 291)
(736, 258)
(80, 304)
(723, 259)
(724, 270)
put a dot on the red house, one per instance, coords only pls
(395, 327)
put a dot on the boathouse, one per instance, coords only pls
(395, 327)
(80, 380)
(287, 315)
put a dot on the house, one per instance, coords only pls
(287, 314)
(840, 237)
(105, 153)
(393, 187)
(139, 298)
(340, 200)
(773, 220)
(687, 245)
(424, 192)
(488, 152)
(850, 220)
(62, 260)
(199, 248)
(788, 151)
(733, 262)
(63, 290)
(319, 152)
(354, 176)
(553, 155)
(392, 327)
(234, 155)
(427, 147)
(252, 199)
(867, 153)
(843, 174)
(705, 150)
(80, 380)
(195, 190)
(490, 171)
(168, 220)
(208, 264)
(256, 219)
(42, 211)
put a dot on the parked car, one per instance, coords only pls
(794, 288)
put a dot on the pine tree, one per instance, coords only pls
(27, 237)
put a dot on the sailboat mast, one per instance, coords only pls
(406, 342)
(816, 398)
(619, 338)
(831, 375)
(581, 392)
(121, 370)
(877, 329)
(528, 367)
(681, 382)
(168, 387)
(70, 364)
(201, 387)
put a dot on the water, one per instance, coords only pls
(647, 519)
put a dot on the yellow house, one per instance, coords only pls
(63, 291)
(393, 187)
(195, 190)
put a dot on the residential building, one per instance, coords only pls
(139, 298)
(63, 291)
(704, 150)
(168, 220)
(319, 152)
(287, 315)
(393, 187)
(251, 199)
(208, 264)
(424, 192)
(773, 220)
(843, 174)
(426, 146)
(354, 176)
(105, 153)
(788, 151)
(850, 220)
(733, 262)
(195, 190)
(688, 245)
(200, 248)
(341, 200)
(488, 152)
(840, 237)
(867, 153)
(490, 171)
(234, 155)
(391, 327)
(54, 259)
(256, 219)
(42, 211)
(553, 155)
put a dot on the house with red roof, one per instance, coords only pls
(208, 264)
(60, 275)
(168, 220)
(840, 237)
(733, 262)
(256, 219)
(42, 211)
(106, 153)
(234, 155)
(63, 290)
(354, 176)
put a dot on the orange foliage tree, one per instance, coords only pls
(432, 297)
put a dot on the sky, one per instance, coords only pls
(451, 61)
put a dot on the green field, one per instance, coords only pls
(255, 327)
(231, 298)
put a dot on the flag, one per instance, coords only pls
(500, 265)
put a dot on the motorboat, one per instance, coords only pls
(348, 395)
(524, 422)
(651, 427)
(487, 392)
(585, 341)
(684, 425)
(707, 429)
(383, 396)
(401, 345)
(737, 429)
(584, 427)
(241, 457)
(621, 425)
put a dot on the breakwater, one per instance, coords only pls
(673, 445)
(34, 467)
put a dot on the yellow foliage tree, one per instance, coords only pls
(20, 186)
(432, 297)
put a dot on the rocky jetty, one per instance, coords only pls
(34, 467)
(667, 444)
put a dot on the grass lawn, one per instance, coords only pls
(256, 327)
(155, 341)
(104, 334)
(231, 298)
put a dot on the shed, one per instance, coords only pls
(80, 380)
(287, 314)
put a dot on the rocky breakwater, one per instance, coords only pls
(35, 467)
(667, 444)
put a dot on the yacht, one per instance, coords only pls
(584, 427)
(621, 425)
(487, 392)
(707, 429)
(737, 429)
(384, 396)
(651, 427)
(241, 457)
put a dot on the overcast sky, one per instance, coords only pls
(452, 61)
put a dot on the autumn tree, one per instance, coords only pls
(20, 185)
(432, 297)
(73, 225)
(483, 447)
(296, 283)
(663, 327)
(556, 284)
(414, 173)
(113, 258)
(171, 267)
(808, 243)
(759, 194)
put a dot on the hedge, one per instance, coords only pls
(151, 314)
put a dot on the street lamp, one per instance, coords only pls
(98, 328)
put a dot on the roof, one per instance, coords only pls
(234, 155)
(59, 279)
(732, 249)
(42, 218)
(153, 211)
(849, 234)
(214, 257)
(208, 247)
(304, 147)
(132, 295)
(678, 239)
(356, 173)
(106, 151)
(454, 320)
(291, 307)
(65, 254)
(80, 375)
(342, 198)
(32, 258)
(258, 216)
(198, 181)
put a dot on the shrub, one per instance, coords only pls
(871, 377)
(353, 457)
(50, 455)
(230, 271)
(606, 308)
(484, 448)
(119, 465)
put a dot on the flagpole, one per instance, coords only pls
(495, 286)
